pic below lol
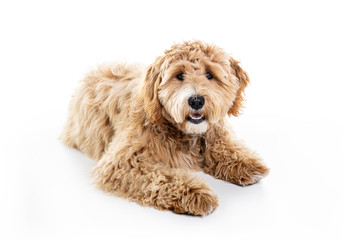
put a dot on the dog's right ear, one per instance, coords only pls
(151, 103)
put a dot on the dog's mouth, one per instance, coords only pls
(196, 118)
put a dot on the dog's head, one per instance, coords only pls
(193, 85)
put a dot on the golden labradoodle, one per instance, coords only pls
(150, 130)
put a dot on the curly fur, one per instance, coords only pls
(134, 122)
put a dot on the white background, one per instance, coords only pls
(293, 52)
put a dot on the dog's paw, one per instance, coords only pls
(250, 173)
(199, 202)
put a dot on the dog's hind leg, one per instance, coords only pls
(164, 189)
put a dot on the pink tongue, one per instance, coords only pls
(196, 115)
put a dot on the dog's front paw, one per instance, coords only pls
(197, 201)
(249, 172)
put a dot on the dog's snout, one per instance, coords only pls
(196, 102)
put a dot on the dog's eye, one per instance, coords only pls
(180, 76)
(209, 76)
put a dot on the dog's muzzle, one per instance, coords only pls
(196, 103)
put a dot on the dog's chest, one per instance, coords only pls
(188, 154)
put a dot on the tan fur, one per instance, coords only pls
(134, 123)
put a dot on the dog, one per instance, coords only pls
(150, 129)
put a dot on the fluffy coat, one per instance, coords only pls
(137, 124)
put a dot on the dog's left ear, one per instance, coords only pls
(243, 81)
(151, 103)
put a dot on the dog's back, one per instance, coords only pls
(99, 105)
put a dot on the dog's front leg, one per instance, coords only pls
(132, 177)
(229, 159)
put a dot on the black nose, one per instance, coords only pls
(196, 102)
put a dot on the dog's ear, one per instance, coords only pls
(152, 105)
(243, 81)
